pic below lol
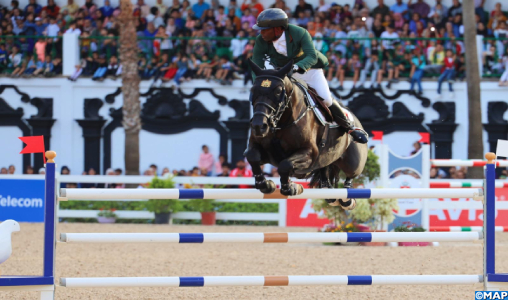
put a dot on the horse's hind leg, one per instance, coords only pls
(324, 183)
(253, 155)
(349, 204)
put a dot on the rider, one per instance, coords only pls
(283, 42)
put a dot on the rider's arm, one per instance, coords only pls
(258, 53)
(309, 51)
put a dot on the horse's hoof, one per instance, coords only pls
(266, 187)
(291, 189)
(332, 202)
(347, 205)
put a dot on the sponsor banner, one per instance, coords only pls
(22, 200)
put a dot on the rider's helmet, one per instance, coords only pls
(272, 17)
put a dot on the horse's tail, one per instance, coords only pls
(332, 176)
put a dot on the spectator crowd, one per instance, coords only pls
(179, 41)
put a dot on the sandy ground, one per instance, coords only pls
(116, 260)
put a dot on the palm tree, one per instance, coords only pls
(475, 137)
(130, 87)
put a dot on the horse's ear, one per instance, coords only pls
(255, 68)
(285, 70)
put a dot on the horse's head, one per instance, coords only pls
(269, 98)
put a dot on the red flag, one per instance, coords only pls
(377, 135)
(34, 144)
(424, 137)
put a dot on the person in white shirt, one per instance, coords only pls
(73, 29)
(238, 44)
(53, 28)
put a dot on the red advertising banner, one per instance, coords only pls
(301, 214)
(468, 217)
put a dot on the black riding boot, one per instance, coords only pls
(359, 135)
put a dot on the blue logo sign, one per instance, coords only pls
(22, 200)
(491, 295)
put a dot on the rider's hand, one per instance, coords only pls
(297, 69)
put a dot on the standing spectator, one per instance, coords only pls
(39, 26)
(32, 4)
(29, 170)
(219, 163)
(206, 160)
(455, 9)
(420, 7)
(418, 62)
(144, 10)
(448, 72)
(371, 66)
(303, 6)
(12, 169)
(381, 8)
(200, 8)
(53, 28)
(51, 9)
(107, 10)
(399, 8)
(71, 7)
(224, 170)
(255, 7)
(248, 17)
(238, 45)
(4, 171)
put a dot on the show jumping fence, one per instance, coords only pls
(45, 283)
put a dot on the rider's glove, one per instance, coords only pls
(297, 69)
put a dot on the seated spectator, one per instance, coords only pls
(435, 57)
(57, 67)
(420, 7)
(503, 81)
(418, 62)
(372, 66)
(354, 65)
(4, 171)
(460, 67)
(399, 8)
(182, 65)
(192, 67)
(20, 70)
(448, 72)
(224, 171)
(113, 68)
(15, 60)
(3, 58)
(381, 9)
(491, 62)
(240, 171)
(92, 64)
(170, 73)
(30, 67)
(79, 68)
(102, 68)
(225, 71)
(396, 63)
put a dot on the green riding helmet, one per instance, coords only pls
(272, 17)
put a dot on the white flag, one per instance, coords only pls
(502, 148)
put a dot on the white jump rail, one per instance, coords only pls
(121, 282)
(258, 237)
(87, 194)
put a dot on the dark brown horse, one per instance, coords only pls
(286, 134)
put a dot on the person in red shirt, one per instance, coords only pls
(241, 171)
(255, 7)
(448, 72)
(51, 9)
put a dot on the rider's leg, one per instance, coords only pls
(316, 79)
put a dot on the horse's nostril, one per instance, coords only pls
(265, 127)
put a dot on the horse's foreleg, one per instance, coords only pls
(300, 160)
(253, 156)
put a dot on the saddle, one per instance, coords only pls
(314, 101)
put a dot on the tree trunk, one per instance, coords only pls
(130, 87)
(475, 136)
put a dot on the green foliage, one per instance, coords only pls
(202, 205)
(408, 227)
(374, 211)
(107, 213)
(163, 205)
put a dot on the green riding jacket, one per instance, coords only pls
(299, 48)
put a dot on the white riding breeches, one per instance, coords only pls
(317, 80)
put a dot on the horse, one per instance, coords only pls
(284, 134)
